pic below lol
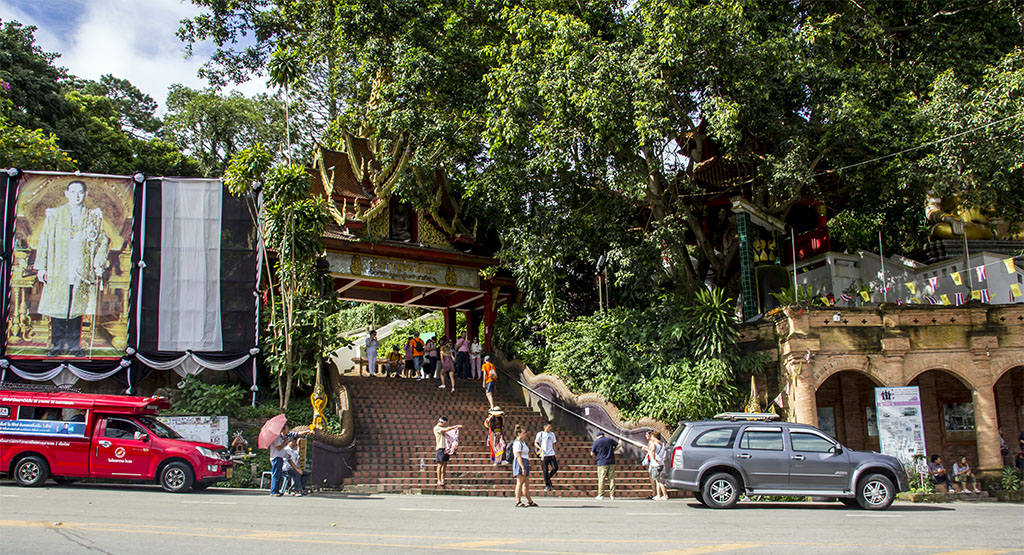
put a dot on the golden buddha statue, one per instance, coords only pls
(951, 220)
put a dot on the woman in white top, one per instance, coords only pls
(521, 468)
(655, 461)
(371, 351)
(475, 350)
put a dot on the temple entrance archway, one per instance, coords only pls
(846, 409)
(947, 409)
(1009, 394)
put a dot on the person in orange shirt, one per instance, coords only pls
(417, 347)
(490, 380)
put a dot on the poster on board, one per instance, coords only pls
(900, 425)
(207, 429)
(71, 267)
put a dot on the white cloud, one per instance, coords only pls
(130, 39)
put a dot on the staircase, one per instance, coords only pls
(394, 420)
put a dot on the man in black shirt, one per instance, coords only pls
(604, 449)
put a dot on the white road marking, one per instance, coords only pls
(6, 495)
(433, 510)
(654, 514)
(868, 515)
(211, 502)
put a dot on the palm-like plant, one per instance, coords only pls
(285, 67)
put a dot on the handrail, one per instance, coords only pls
(567, 410)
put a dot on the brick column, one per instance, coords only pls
(986, 424)
(805, 405)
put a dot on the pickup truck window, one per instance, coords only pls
(159, 428)
(719, 437)
(121, 428)
(809, 443)
(764, 440)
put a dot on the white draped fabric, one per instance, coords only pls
(192, 364)
(65, 374)
(189, 316)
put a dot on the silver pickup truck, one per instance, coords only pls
(740, 453)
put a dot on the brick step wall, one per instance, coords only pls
(394, 419)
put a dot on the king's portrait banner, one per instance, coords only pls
(72, 267)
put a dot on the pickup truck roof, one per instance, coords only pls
(108, 403)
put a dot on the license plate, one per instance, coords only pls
(227, 473)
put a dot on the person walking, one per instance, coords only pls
(655, 462)
(462, 356)
(545, 444)
(441, 457)
(490, 374)
(371, 351)
(494, 423)
(475, 352)
(277, 457)
(447, 367)
(604, 450)
(521, 468)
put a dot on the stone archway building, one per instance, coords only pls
(934, 347)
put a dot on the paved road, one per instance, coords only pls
(88, 518)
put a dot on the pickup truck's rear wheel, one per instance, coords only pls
(721, 491)
(31, 471)
(875, 492)
(177, 477)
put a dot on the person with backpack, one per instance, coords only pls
(495, 443)
(521, 468)
(416, 345)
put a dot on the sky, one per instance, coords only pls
(131, 39)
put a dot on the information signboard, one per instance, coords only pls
(900, 426)
(208, 429)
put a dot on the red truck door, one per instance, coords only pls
(120, 449)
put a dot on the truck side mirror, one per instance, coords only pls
(836, 450)
(141, 436)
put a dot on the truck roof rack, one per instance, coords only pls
(756, 416)
(39, 387)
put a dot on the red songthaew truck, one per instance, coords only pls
(75, 435)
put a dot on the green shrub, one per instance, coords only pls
(1010, 480)
(205, 399)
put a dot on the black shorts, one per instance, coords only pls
(409, 366)
(442, 456)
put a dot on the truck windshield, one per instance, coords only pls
(158, 428)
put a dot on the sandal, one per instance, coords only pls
(532, 504)
(520, 504)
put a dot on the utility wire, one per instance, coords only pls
(918, 147)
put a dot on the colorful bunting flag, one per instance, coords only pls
(984, 295)
(866, 296)
(957, 279)
(1008, 262)
(933, 282)
(945, 299)
(912, 287)
(1015, 289)
(959, 299)
(824, 299)
(846, 297)
(976, 294)
(883, 289)
(931, 300)
(982, 275)
(915, 301)
(899, 302)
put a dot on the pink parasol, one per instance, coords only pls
(270, 431)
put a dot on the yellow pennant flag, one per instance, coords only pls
(1009, 265)
(945, 298)
(824, 300)
(956, 278)
(866, 296)
(915, 300)
(1015, 287)
(912, 287)
(976, 294)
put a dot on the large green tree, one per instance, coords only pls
(588, 128)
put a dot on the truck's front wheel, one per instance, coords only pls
(177, 477)
(31, 471)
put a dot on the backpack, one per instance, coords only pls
(510, 453)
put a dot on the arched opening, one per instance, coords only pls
(947, 409)
(1009, 392)
(846, 409)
